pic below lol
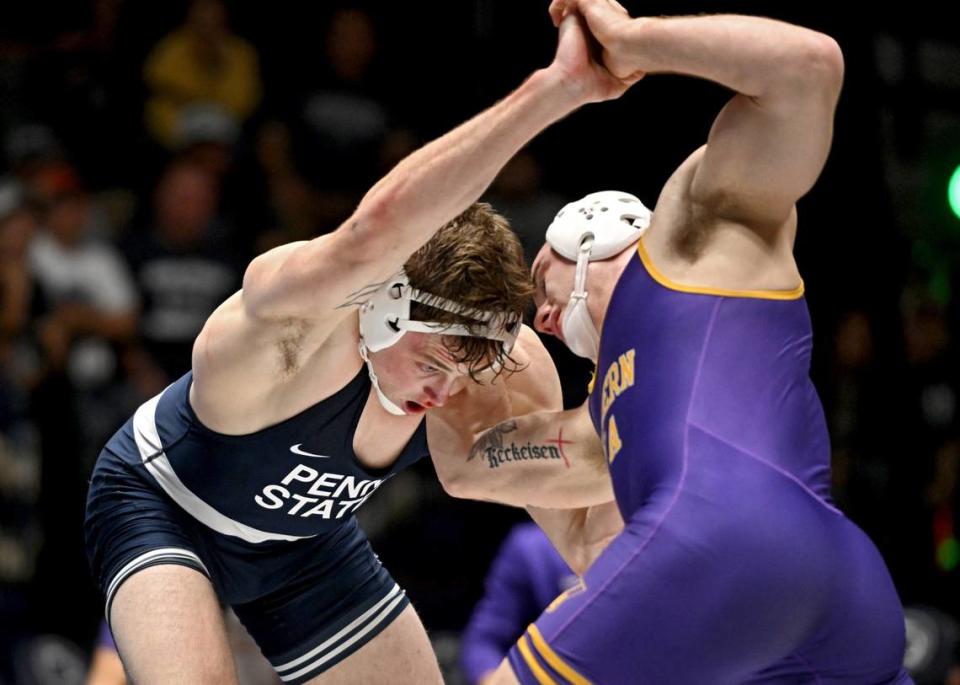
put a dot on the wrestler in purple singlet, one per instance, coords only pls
(526, 575)
(734, 566)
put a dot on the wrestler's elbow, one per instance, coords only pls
(815, 64)
(465, 486)
(456, 483)
(825, 59)
(453, 486)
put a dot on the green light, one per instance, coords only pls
(953, 192)
(948, 554)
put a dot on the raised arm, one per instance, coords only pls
(426, 190)
(769, 143)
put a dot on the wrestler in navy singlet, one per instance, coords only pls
(268, 517)
(294, 479)
(734, 566)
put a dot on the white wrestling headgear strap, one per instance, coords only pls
(385, 401)
(579, 331)
(385, 317)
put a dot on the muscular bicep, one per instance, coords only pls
(766, 150)
(535, 386)
(511, 442)
(317, 280)
(545, 459)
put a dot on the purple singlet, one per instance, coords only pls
(734, 566)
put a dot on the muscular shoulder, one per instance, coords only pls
(681, 225)
(692, 240)
(251, 372)
(535, 385)
(530, 384)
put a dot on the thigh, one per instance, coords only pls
(130, 525)
(669, 608)
(252, 666)
(330, 599)
(159, 600)
(400, 654)
(169, 628)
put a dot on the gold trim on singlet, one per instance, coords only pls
(552, 658)
(656, 275)
(538, 671)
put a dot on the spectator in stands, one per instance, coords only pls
(202, 62)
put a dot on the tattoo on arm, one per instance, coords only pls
(560, 442)
(358, 297)
(492, 439)
(492, 447)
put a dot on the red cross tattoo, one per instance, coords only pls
(560, 442)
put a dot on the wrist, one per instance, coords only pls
(628, 43)
(565, 91)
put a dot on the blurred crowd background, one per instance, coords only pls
(149, 149)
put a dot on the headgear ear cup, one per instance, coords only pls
(614, 218)
(595, 227)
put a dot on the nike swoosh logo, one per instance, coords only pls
(296, 450)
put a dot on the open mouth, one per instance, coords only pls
(413, 407)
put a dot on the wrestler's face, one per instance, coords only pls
(418, 372)
(553, 278)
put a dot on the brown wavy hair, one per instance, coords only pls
(475, 260)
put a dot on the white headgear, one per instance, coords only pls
(385, 317)
(595, 227)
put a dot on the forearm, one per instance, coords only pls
(441, 179)
(424, 192)
(579, 535)
(751, 55)
(405, 208)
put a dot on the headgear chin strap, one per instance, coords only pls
(595, 227)
(385, 317)
(385, 401)
(579, 331)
